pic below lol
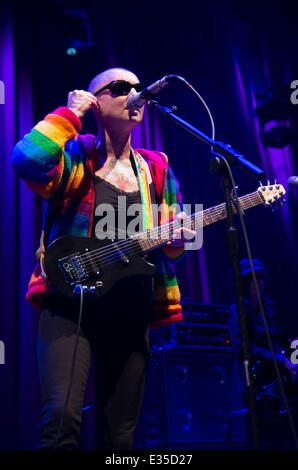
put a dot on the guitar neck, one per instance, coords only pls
(158, 236)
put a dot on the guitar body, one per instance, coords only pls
(95, 264)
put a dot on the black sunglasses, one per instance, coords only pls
(120, 87)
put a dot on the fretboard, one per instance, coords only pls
(159, 236)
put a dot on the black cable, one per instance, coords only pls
(80, 287)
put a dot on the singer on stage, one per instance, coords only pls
(76, 174)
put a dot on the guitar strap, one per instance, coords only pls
(40, 254)
(144, 177)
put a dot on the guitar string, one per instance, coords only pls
(127, 243)
(131, 248)
(252, 198)
(164, 227)
(134, 246)
(105, 251)
(154, 232)
(109, 253)
(220, 214)
(112, 258)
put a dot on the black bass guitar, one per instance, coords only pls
(99, 264)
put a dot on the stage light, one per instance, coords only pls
(76, 31)
(277, 118)
(71, 51)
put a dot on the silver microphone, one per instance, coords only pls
(137, 100)
(293, 181)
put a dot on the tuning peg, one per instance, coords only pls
(284, 200)
(268, 182)
(275, 180)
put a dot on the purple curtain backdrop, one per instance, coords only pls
(8, 244)
(20, 217)
(227, 60)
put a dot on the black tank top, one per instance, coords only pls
(111, 207)
(134, 292)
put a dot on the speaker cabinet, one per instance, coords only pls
(192, 400)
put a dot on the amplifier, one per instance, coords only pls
(204, 313)
(205, 326)
(192, 401)
(193, 396)
(186, 335)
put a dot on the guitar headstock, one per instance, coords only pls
(272, 193)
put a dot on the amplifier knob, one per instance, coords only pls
(189, 339)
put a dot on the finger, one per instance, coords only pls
(182, 230)
(95, 107)
(189, 236)
(177, 233)
(94, 101)
(190, 231)
(86, 94)
(184, 234)
(90, 95)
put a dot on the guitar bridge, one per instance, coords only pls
(72, 269)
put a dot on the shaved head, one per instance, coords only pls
(111, 111)
(109, 75)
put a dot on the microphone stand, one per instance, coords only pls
(217, 166)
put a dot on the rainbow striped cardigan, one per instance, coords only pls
(58, 163)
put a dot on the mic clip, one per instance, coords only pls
(170, 110)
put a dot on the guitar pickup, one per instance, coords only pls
(124, 257)
(121, 253)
